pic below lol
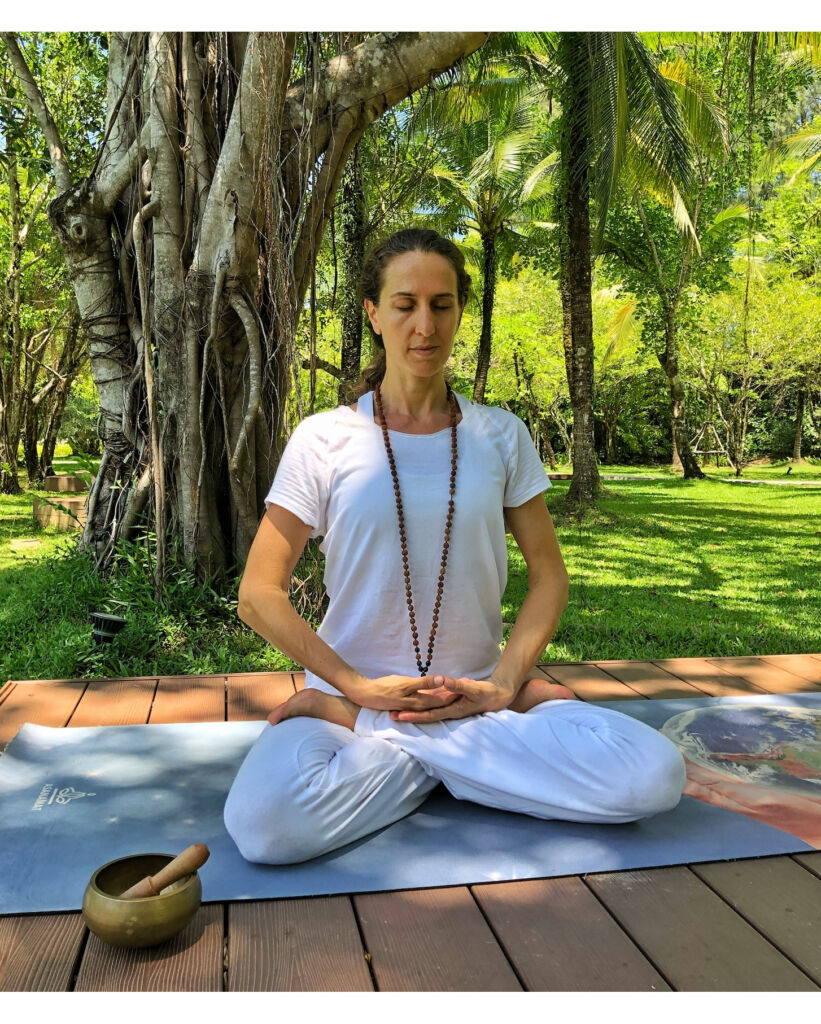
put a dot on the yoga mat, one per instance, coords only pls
(73, 799)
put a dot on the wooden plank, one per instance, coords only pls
(299, 680)
(38, 953)
(779, 898)
(115, 702)
(47, 703)
(190, 962)
(694, 939)
(806, 666)
(432, 940)
(5, 689)
(561, 939)
(189, 699)
(588, 681)
(649, 680)
(301, 945)
(810, 861)
(704, 676)
(252, 696)
(769, 677)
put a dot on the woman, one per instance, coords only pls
(410, 489)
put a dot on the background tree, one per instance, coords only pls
(41, 348)
(489, 185)
(190, 247)
(614, 105)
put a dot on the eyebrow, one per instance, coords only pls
(412, 295)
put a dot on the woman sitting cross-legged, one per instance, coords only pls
(410, 489)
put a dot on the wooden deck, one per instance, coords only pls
(749, 925)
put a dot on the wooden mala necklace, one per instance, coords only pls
(454, 411)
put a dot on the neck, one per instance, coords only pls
(416, 397)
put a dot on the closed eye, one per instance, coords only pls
(407, 309)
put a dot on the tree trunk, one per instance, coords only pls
(488, 295)
(14, 342)
(799, 426)
(575, 277)
(190, 250)
(353, 215)
(681, 444)
(53, 405)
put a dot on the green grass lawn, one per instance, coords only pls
(663, 568)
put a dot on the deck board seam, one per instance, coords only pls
(153, 698)
(226, 950)
(632, 938)
(806, 867)
(752, 924)
(366, 953)
(78, 961)
(82, 694)
(508, 957)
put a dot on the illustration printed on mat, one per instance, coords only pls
(764, 762)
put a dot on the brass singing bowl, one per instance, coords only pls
(142, 922)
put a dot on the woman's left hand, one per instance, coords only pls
(476, 696)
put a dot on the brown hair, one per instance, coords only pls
(373, 275)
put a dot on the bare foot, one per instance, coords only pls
(537, 691)
(310, 703)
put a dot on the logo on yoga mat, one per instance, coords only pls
(50, 794)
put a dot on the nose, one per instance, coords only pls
(424, 321)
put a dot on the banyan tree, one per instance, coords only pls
(190, 248)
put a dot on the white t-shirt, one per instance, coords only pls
(334, 476)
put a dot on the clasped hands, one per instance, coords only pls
(433, 698)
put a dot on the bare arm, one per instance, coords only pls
(547, 591)
(265, 606)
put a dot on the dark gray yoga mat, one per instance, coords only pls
(73, 799)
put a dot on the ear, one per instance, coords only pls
(373, 315)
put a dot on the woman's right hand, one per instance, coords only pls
(401, 693)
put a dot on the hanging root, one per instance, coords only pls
(249, 322)
(219, 285)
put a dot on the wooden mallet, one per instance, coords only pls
(185, 864)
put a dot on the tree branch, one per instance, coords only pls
(653, 250)
(323, 364)
(38, 107)
(376, 75)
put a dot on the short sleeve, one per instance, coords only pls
(301, 482)
(526, 476)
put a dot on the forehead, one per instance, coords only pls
(420, 273)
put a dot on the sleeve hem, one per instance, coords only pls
(290, 505)
(519, 499)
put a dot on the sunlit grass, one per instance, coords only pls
(662, 568)
(675, 568)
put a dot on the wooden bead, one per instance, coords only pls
(454, 413)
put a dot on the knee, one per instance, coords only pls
(659, 784)
(272, 833)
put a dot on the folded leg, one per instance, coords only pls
(307, 787)
(563, 759)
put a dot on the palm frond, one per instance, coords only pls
(738, 211)
(704, 116)
(621, 330)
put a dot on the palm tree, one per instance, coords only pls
(490, 183)
(616, 112)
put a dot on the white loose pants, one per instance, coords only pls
(307, 787)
